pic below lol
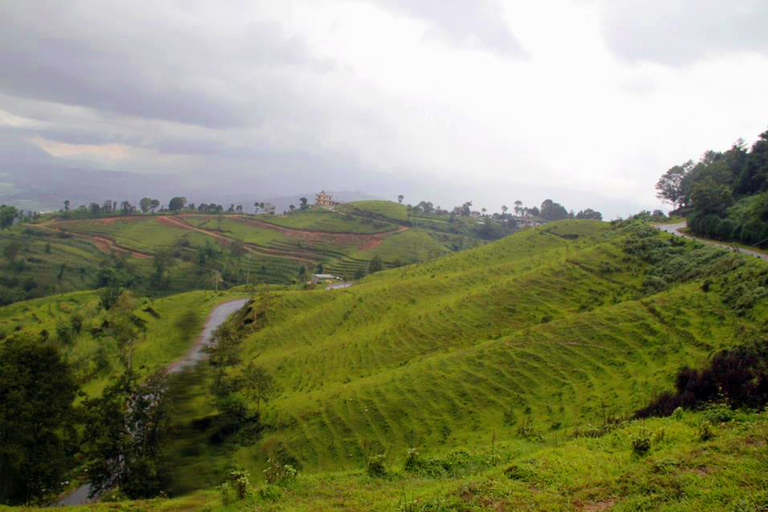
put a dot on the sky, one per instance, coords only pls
(586, 102)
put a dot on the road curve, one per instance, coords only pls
(217, 316)
(674, 229)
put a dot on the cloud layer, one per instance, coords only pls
(585, 101)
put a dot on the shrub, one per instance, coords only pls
(236, 487)
(376, 465)
(279, 473)
(705, 431)
(641, 444)
(739, 376)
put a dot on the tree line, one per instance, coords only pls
(725, 194)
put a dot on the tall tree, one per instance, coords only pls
(177, 204)
(8, 215)
(400, 198)
(125, 434)
(303, 204)
(37, 419)
(671, 186)
(145, 204)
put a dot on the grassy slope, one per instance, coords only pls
(328, 221)
(386, 209)
(79, 260)
(526, 323)
(165, 338)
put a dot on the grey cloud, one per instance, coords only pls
(116, 57)
(682, 32)
(475, 24)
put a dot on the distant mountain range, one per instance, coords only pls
(32, 179)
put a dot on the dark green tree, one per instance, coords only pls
(8, 215)
(177, 204)
(126, 431)
(375, 265)
(37, 419)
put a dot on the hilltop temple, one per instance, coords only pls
(324, 200)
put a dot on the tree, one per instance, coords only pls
(466, 209)
(216, 279)
(224, 351)
(11, 251)
(258, 383)
(177, 204)
(8, 215)
(145, 204)
(291, 207)
(154, 205)
(551, 210)
(125, 436)
(671, 187)
(37, 419)
(239, 208)
(589, 214)
(504, 210)
(400, 198)
(375, 264)
(66, 205)
(710, 197)
(518, 207)
(303, 204)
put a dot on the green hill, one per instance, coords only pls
(494, 378)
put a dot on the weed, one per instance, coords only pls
(376, 465)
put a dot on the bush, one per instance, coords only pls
(739, 376)
(641, 444)
(236, 487)
(279, 473)
(376, 465)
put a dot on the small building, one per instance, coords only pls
(324, 200)
(318, 278)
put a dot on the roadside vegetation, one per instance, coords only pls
(725, 194)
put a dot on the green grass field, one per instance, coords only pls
(328, 221)
(681, 472)
(386, 209)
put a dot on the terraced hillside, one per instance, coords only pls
(343, 244)
(544, 331)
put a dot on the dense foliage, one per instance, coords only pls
(37, 418)
(725, 194)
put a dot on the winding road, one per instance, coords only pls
(674, 229)
(195, 354)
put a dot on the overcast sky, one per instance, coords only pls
(583, 101)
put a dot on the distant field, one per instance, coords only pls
(328, 221)
(386, 209)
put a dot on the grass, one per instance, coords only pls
(680, 472)
(171, 325)
(545, 331)
(385, 209)
(328, 221)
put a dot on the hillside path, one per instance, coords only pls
(103, 243)
(674, 229)
(216, 317)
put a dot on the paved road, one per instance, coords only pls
(217, 316)
(674, 229)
